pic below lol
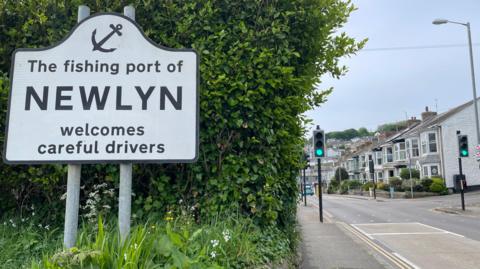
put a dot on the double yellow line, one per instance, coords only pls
(394, 259)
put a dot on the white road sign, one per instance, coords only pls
(104, 93)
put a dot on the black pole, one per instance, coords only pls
(304, 189)
(374, 188)
(461, 183)
(320, 205)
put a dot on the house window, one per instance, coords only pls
(414, 150)
(391, 173)
(388, 157)
(425, 171)
(434, 170)
(399, 151)
(429, 143)
(432, 142)
(380, 175)
(378, 157)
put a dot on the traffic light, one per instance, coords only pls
(463, 145)
(319, 143)
(306, 158)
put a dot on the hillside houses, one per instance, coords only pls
(429, 145)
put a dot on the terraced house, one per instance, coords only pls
(429, 145)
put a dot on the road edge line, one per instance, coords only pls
(394, 259)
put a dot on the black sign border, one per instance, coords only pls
(104, 161)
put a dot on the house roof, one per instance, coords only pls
(435, 120)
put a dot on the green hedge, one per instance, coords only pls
(260, 64)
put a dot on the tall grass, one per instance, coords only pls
(223, 243)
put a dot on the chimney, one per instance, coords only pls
(428, 114)
(412, 121)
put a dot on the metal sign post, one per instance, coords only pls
(73, 181)
(304, 187)
(125, 189)
(460, 171)
(320, 202)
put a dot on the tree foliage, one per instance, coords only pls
(260, 64)
(349, 134)
(341, 174)
(405, 173)
(392, 127)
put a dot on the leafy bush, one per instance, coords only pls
(438, 188)
(354, 183)
(405, 173)
(367, 186)
(259, 75)
(396, 183)
(426, 182)
(383, 186)
(407, 185)
(438, 180)
(347, 185)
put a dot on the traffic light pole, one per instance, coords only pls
(320, 203)
(461, 183)
(304, 189)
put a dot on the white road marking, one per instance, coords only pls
(360, 230)
(406, 260)
(412, 233)
(445, 231)
(379, 223)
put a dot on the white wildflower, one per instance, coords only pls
(135, 246)
(226, 235)
(33, 213)
(214, 242)
(13, 225)
(47, 227)
(63, 197)
(213, 254)
(125, 256)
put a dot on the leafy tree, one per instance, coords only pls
(349, 134)
(405, 173)
(260, 64)
(392, 127)
(363, 132)
(341, 174)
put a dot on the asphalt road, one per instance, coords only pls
(354, 210)
(414, 231)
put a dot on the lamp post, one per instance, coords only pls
(443, 21)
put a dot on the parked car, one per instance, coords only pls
(308, 190)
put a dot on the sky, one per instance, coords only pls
(384, 86)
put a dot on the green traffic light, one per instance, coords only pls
(464, 152)
(319, 152)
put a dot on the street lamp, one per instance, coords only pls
(443, 21)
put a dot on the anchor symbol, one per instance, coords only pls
(98, 46)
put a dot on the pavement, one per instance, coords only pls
(329, 245)
(414, 233)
